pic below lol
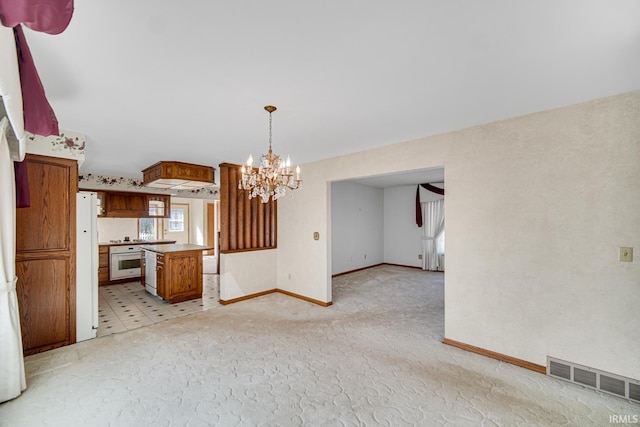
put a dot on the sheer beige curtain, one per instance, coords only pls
(433, 214)
(12, 378)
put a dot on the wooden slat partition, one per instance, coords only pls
(240, 196)
(254, 220)
(224, 213)
(261, 225)
(244, 224)
(247, 221)
(233, 210)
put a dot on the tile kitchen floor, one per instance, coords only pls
(129, 306)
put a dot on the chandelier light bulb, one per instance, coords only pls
(250, 160)
(288, 161)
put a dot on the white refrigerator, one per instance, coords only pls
(86, 266)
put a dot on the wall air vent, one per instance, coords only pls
(617, 385)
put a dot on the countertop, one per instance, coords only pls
(179, 247)
(146, 242)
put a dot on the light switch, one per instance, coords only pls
(316, 236)
(626, 254)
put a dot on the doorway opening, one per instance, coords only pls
(375, 235)
(128, 306)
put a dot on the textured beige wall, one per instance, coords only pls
(537, 207)
(247, 273)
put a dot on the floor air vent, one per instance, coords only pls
(593, 378)
(634, 392)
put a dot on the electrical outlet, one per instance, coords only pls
(419, 256)
(626, 254)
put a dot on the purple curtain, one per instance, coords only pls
(39, 117)
(431, 188)
(50, 16)
(23, 199)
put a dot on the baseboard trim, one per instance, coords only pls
(402, 265)
(382, 263)
(315, 301)
(271, 291)
(246, 297)
(357, 269)
(502, 357)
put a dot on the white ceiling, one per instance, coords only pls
(152, 80)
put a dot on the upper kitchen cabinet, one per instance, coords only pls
(159, 206)
(101, 200)
(126, 205)
(120, 204)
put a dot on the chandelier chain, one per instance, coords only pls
(269, 130)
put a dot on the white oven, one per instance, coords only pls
(125, 262)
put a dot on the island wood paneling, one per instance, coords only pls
(45, 255)
(179, 275)
(184, 274)
(245, 224)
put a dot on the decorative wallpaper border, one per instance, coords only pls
(90, 181)
(68, 144)
(71, 145)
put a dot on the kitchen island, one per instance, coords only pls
(174, 271)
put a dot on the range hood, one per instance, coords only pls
(178, 176)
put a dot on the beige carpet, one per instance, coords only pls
(373, 358)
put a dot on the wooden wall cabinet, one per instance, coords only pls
(46, 255)
(159, 206)
(120, 204)
(126, 205)
(103, 265)
(179, 275)
(100, 202)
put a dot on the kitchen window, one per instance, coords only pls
(176, 221)
(176, 227)
(148, 229)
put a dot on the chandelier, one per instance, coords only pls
(272, 177)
